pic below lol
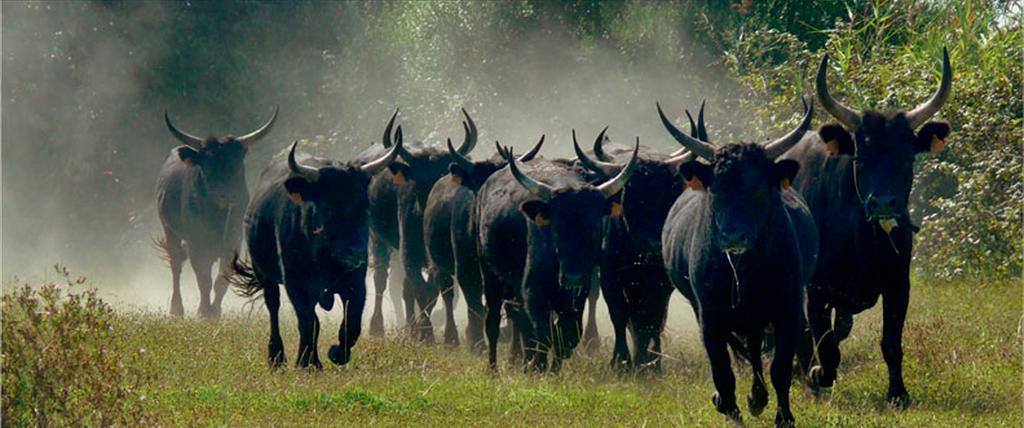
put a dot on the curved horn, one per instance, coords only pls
(606, 169)
(459, 159)
(398, 143)
(528, 156)
(387, 130)
(371, 168)
(848, 117)
(501, 150)
(185, 138)
(615, 185)
(920, 114)
(776, 148)
(307, 172)
(471, 134)
(260, 132)
(702, 133)
(698, 147)
(599, 146)
(538, 189)
(693, 126)
(679, 157)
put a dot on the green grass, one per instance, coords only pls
(962, 365)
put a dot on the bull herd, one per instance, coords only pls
(784, 240)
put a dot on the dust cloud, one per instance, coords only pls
(85, 84)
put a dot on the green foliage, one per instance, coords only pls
(887, 57)
(64, 361)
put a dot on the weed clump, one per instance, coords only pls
(64, 363)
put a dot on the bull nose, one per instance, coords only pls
(734, 240)
(881, 206)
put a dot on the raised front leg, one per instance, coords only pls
(714, 332)
(894, 315)
(758, 398)
(351, 326)
(823, 375)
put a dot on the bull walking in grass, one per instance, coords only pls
(539, 242)
(307, 228)
(633, 280)
(451, 236)
(740, 245)
(201, 196)
(856, 178)
(397, 203)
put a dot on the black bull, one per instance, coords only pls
(856, 177)
(201, 196)
(307, 228)
(740, 245)
(539, 239)
(451, 236)
(397, 203)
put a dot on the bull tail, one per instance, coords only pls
(243, 279)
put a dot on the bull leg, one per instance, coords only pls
(824, 374)
(381, 259)
(471, 285)
(220, 283)
(447, 287)
(351, 327)
(843, 325)
(426, 297)
(201, 265)
(494, 295)
(309, 330)
(591, 340)
(650, 324)
(275, 349)
(894, 314)
(758, 398)
(175, 258)
(714, 333)
(515, 343)
(399, 299)
(539, 311)
(618, 310)
(787, 333)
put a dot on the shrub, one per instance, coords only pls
(63, 363)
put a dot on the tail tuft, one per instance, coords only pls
(243, 279)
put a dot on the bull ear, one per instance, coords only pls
(785, 172)
(932, 137)
(188, 155)
(459, 174)
(399, 172)
(837, 139)
(300, 190)
(698, 176)
(537, 211)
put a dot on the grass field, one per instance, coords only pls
(963, 368)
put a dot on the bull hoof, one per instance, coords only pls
(377, 325)
(451, 338)
(817, 380)
(898, 400)
(215, 312)
(206, 312)
(339, 355)
(756, 402)
(177, 309)
(275, 355)
(784, 421)
(728, 409)
(592, 346)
